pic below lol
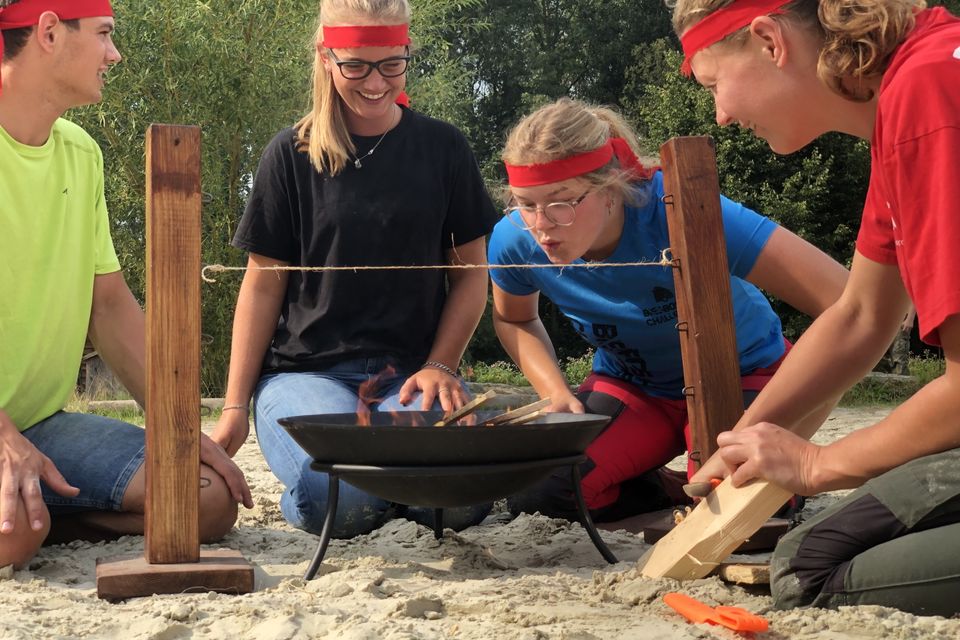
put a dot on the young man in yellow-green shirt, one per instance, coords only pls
(60, 282)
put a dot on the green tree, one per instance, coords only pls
(240, 70)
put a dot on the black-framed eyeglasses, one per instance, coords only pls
(359, 69)
(561, 214)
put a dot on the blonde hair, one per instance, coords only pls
(858, 36)
(569, 127)
(323, 133)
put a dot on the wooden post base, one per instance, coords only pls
(222, 570)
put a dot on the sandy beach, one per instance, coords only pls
(533, 577)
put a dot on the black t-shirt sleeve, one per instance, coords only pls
(267, 226)
(471, 213)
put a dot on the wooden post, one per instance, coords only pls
(173, 562)
(173, 335)
(723, 520)
(708, 343)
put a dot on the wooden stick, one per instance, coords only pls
(466, 409)
(524, 419)
(519, 412)
(744, 573)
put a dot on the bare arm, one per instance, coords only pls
(516, 320)
(838, 349)
(798, 273)
(117, 330)
(466, 299)
(254, 323)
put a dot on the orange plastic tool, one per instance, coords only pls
(734, 618)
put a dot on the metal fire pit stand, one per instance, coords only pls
(335, 471)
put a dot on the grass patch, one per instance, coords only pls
(575, 370)
(879, 389)
(876, 389)
(80, 404)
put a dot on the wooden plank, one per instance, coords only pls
(221, 570)
(173, 344)
(763, 539)
(704, 310)
(718, 525)
(744, 573)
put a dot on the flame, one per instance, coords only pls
(367, 395)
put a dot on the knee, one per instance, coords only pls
(22, 544)
(218, 510)
(785, 586)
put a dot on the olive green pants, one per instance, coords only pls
(895, 542)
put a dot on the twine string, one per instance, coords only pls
(666, 260)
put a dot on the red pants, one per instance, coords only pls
(646, 432)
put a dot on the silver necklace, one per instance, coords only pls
(357, 163)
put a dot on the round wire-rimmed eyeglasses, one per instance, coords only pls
(359, 69)
(561, 214)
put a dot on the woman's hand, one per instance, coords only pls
(214, 456)
(566, 403)
(772, 453)
(232, 430)
(434, 384)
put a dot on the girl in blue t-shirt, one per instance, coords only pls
(578, 193)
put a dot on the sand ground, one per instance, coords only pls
(529, 578)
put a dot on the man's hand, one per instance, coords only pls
(214, 456)
(22, 466)
(767, 451)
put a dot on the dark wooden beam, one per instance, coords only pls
(708, 342)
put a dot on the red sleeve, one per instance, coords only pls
(927, 186)
(875, 239)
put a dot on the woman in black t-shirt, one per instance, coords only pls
(359, 180)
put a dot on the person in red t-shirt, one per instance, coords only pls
(887, 71)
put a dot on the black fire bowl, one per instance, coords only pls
(449, 466)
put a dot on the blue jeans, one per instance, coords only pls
(334, 390)
(97, 455)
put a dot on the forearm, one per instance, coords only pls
(461, 314)
(927, 423)
(254, 323)
(530, 348)
(118, 332)
(836, 351)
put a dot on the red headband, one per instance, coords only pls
(26, 13)
(533, 175)
(368, 36)
(721, 23)
(365, 36)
